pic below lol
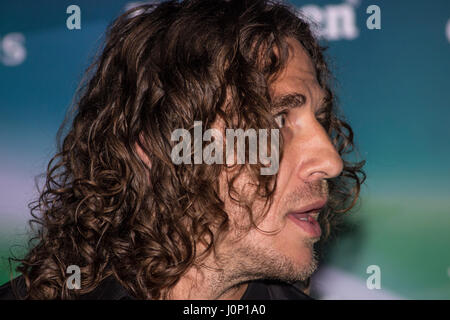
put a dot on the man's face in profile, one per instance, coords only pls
(309, 159)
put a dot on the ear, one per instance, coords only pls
(145, 159)
(141, 152)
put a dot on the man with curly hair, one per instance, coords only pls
(140, 226)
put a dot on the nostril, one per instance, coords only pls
(322, 166)
(318, 175)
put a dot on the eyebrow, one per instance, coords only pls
(288, 101)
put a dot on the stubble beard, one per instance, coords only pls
(248, 259)
(253, 262)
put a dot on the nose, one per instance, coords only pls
(316, 156)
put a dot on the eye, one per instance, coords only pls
(280, 119)
(323, 118)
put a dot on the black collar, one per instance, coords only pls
(110, 289)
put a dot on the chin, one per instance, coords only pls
(286, 258)
(298, 247)
(302, 260)
(303, 257)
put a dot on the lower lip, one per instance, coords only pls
(311, 227)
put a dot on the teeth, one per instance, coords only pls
(304, 219)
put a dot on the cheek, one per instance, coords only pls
(289, 160)
(285, 175)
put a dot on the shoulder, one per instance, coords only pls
(13, 290)
(108, 289)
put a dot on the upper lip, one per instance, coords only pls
(313, 207)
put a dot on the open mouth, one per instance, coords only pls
(306, 218)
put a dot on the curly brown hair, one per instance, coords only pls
(163, 66)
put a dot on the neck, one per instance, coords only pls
(204, 283)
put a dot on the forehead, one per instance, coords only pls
(299, 75)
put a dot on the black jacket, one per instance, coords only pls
(110, 289)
